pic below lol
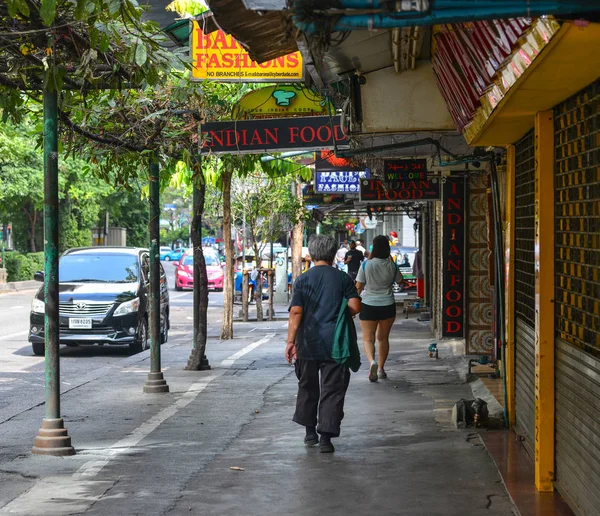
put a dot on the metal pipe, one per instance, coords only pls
(52, 438)
(401, 5)
(493, 11)
(154, 229)
(396, 43)
(155, 382)
(400, 145)
(413, 50)
(51, 322)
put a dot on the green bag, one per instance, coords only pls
(345, 342)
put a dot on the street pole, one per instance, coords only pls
(155, 382)
(52, 438)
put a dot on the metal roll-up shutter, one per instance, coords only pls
(525, 290)
(577, 300)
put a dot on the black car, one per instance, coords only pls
(103, 299)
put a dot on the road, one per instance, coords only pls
(22, 373)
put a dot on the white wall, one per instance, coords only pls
(410, 101)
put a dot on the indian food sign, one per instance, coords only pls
(274, 134)
(219, 57)
(373, 190)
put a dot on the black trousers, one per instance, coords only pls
(322, 389)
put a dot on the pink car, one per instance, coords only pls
(184, 272)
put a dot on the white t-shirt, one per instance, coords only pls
(378, 275)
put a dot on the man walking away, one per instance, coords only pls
(322, 381)
(353, 260)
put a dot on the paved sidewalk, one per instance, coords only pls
(140, 454)
(18, 286)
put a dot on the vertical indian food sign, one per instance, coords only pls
(219, 57)
(453, 249)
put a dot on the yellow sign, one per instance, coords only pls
(282, 101)
(219, 57)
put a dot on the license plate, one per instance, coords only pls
(80, 323)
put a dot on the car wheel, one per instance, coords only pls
(167, 259)
(38, 348)
(178, 288)
(141, 341)
(219, 290)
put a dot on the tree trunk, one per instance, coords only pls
(32, 216)
(297, 239)
(227, 329)
(259, 283)
(197, 361)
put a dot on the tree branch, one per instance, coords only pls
(111, 141)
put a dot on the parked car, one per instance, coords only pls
(184, 272)
(103, 299)
(174, 255)
(164, 251)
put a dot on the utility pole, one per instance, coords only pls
(155, 382)
(52, 438)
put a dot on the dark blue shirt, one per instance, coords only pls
(319, 293)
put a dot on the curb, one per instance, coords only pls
(17, 286)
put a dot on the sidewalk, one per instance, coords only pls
(141, 454)
(18, 286)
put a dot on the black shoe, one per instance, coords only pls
(312, 437)
(326, 446)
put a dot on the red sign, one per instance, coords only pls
(373, 190)
(275, 134)
(453, 253)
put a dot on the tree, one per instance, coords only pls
(21, 182)
(21, 191)
(268, 208)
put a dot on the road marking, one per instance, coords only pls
(12, 335)
(91, 468)
(236, 356)
(177, 296)
(17, 307)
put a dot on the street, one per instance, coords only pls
(222, 442)
(22, 373)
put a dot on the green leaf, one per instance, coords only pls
(140, 54)
(48, 11)
(80, 12)
(104, 44)
(11, 5)
(23, 7)
(114, 6)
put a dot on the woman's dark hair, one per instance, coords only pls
(381, 247)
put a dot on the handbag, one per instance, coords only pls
(345, 341)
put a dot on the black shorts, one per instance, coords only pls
(377, 313)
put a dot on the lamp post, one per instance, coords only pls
(52, 438)
(155, 382)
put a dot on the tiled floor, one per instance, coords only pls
(516, 468)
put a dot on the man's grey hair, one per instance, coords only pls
(322, 248)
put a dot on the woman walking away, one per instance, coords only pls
(316, 303)
(374, 281)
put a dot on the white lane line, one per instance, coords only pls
(236, 356)
(16, 307)
(91, 468)
(12, 335)
(177, 296)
